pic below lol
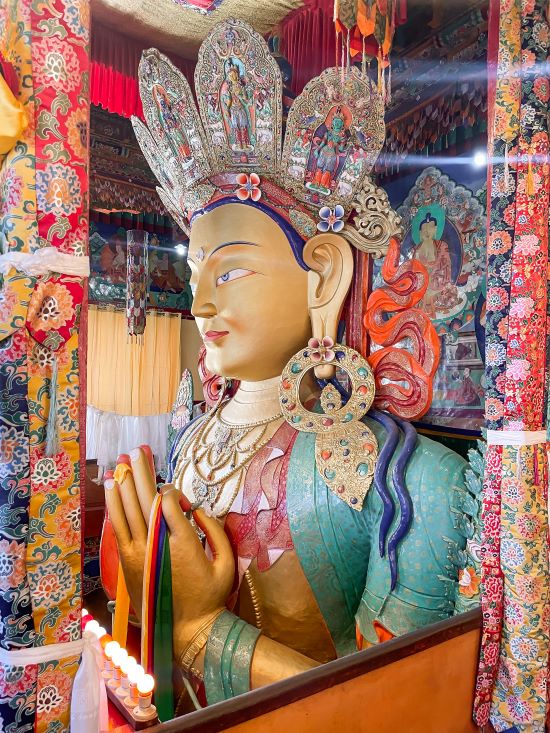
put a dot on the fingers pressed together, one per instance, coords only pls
(129, 495)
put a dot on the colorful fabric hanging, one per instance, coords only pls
(137, 281)
(365, 29)
(13, 119)
(157, 615)
(113, 70)
(43, 203)
(512, 679)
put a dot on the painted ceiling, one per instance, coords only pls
(174, 25)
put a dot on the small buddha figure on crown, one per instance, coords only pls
(330, 151)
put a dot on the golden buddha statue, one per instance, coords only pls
(277, 556)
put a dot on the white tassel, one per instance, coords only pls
(52, 434)
(89, 712)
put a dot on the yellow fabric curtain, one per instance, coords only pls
(133, 379)
(13, 119)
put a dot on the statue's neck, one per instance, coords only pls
(254, 401)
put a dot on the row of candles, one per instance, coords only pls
(122, 673)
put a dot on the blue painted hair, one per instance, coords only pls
(295, 240)
(428, 219)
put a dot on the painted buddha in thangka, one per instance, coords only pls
(302, 520)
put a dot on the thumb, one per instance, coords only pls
(178, 524)
(218, 541)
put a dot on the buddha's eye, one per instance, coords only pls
(233, 275)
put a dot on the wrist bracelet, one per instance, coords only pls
(228, 658)
(195, 646)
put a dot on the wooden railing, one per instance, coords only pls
(427, 675)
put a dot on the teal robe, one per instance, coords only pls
(338, 546)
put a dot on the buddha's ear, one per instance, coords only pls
(330, 262)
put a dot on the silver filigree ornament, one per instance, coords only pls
(375, 222)
(334, 133)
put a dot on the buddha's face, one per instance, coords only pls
(249, 294)
(428, 231)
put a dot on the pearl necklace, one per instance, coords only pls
(229, 442)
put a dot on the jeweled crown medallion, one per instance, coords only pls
(239, 90)
(334, 133)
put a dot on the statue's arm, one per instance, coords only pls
(238, 658)
(426, 578)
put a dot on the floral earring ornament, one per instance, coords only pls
(331, 219)
(345, 448)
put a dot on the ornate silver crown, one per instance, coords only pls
(231, 146)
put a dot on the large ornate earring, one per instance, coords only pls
(345, 448)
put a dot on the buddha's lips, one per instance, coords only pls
(214, 335)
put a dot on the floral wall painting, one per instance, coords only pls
(444, 224)
(168, 271)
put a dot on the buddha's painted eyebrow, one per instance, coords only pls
(227, 244)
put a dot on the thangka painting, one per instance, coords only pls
(168, 271)
(444, 224)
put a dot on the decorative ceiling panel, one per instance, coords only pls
(172, 25)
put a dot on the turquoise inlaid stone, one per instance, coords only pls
(347, 417)
(296, 368)
(296, 418)
(329, 474)
(343, 443)
(362, 469)
(362, 372)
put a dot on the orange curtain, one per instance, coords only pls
(133, 379)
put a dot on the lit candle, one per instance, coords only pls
(118, 656)
(126, 665)
(104, 640)
(101, 632)
(92, 626)
(108, 650)
(86, 619)
(134, 674)
(85, 612)
(144, 709)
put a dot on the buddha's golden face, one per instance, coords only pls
(250, 296)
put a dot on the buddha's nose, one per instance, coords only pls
(203, 303)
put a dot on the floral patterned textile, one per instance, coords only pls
(40, 530)
(512, 680)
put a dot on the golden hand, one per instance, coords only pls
(129, 497)
(200, 586)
